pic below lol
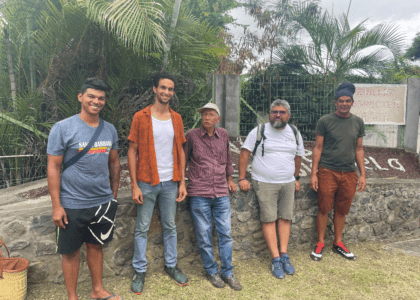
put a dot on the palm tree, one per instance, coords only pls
(335, 48)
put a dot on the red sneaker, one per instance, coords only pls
(343, 251)
(316, 254)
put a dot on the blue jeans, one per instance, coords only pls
(165, 193)
(202, 210)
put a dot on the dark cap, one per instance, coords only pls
(345, 89)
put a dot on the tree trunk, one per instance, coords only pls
(170, 36)
(11, 72)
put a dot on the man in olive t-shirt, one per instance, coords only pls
(338, 147)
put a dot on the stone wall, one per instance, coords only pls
(388, 209)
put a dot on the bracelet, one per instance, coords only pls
(241, 179)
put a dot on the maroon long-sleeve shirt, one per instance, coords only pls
(209, 162)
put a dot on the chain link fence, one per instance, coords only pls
(310, 97)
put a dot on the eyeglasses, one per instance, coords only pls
(276, 112)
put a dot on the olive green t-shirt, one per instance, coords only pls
(340, 138)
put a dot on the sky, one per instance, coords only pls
(405, 13)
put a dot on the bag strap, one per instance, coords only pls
(295, 132)
(260, 136)
(85, 150)
(2, 258)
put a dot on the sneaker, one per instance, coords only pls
(232, 282)
(277, 268)
(177, 275)
(343, 251)
(138, 282)
(215, 280)
(316, 254)
(287, 266)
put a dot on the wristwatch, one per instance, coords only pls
(297, 177)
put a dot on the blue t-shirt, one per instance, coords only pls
(85, 184)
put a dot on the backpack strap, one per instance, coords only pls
(295, 132)
(260, 136)
(85, 150)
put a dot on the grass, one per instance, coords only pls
(376, 274)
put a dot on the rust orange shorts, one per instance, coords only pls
(336, 187)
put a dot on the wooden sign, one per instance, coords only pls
(380, 103)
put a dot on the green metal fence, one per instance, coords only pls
(310, 97)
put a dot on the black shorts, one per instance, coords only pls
(93, 225)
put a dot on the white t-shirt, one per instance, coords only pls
(163, 136)
(280, 148)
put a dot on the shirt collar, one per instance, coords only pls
(203, 132)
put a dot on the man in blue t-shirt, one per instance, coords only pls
(84, 194)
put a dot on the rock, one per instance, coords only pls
(364, 233)
(254, 225)
(379, 229)
(411, 226)
(15, 229)
(45, 248)
(243, 216)
(124, 254)
(388, 193)
(405, 213)
(239, 231)
(37, 272)
(240, 204)
(392, 204)
(308, 222)
(395, 225)
(42, 225)
(372, 217)
(18, 245)
(258, 236)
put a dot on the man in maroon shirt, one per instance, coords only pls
(209, 182)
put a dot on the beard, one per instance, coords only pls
(278, 124)
(163, 102)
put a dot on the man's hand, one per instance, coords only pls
(244, 185)
(232, 186)
(137, 195)
(297, 186)
(60, 217)
(362, 183)
(314, 182)
(182, 192)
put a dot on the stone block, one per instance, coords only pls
(15, 229)
(393, 204)
(45, 248)
(243, 216)
(240, 204)
(372, 217)
(37, 272)
(364, 233)
(258, 236)
(396, 224)
(124, 254)
(379, 229)
(254, 225)
(18, 245)
(388, 193)
(239, 230)
(411, 226)
(42, 225)
(308, 222)
(404, 213)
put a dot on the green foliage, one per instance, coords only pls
(337, 49)
(212, 12)
(413, 52)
